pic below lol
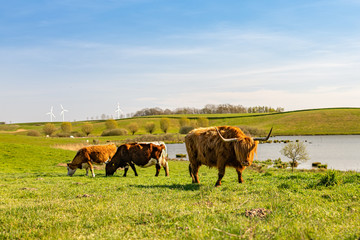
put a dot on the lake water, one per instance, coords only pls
(341, 152)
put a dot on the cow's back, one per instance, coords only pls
(141, 153)
(97, 154)
(102, 153)
(205, 146)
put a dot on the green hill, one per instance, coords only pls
(303, 122)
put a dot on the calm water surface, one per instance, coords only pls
(338, 152)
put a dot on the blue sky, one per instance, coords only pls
(88, 55)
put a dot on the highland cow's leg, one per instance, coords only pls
(133, 168)
(220, 175)
(239, 172)
(194, 170)
(157, 170)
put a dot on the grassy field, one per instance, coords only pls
(39, 201)
(305, 122)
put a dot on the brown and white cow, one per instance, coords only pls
(86, 156)
(140, 154)
(220, 147)
(163, 162)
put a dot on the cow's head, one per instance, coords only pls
(110, 168)
(72, 168)
(245, 147)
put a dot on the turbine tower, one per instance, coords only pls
(63, 112)
(118, 111)
(51, 114)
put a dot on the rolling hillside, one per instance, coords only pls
(304, 122)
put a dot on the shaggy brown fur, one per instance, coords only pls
(141, 154)
(86, 156)
(205, 147)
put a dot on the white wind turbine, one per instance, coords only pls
(51, 114)
(118, 111)
(63, 112)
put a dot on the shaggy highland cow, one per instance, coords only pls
(220, 147)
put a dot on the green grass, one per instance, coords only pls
(39, 201)
(304, 122)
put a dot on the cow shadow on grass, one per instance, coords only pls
(184, 187)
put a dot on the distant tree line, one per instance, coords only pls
(208, 109)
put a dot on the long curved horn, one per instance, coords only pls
(263, 139)
(226, 140)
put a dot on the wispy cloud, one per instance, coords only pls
(154, 53)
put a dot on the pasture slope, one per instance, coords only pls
(304, 122)
(39, 201)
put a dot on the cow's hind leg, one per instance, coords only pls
(194, 170)
(126, 168)
(91, 169)
(157, 166)
(166, 168)
(133, 168)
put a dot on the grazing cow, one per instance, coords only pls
(86, 156)
(164, 163)
(141, 154)
(220, 147)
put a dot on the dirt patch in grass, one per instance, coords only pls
(84, 196)
(258, 212)
(72, 147)
(29, 189)
(17, 131)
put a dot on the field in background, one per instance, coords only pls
(39, 201)
(305, 122)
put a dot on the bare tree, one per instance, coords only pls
(49, 129)
(133, 127)
(184, 121)
(111, 124)
(66, 127)
(150, 127)
(87, 128)
(296, 152)
(164, 124)
(203, 122)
